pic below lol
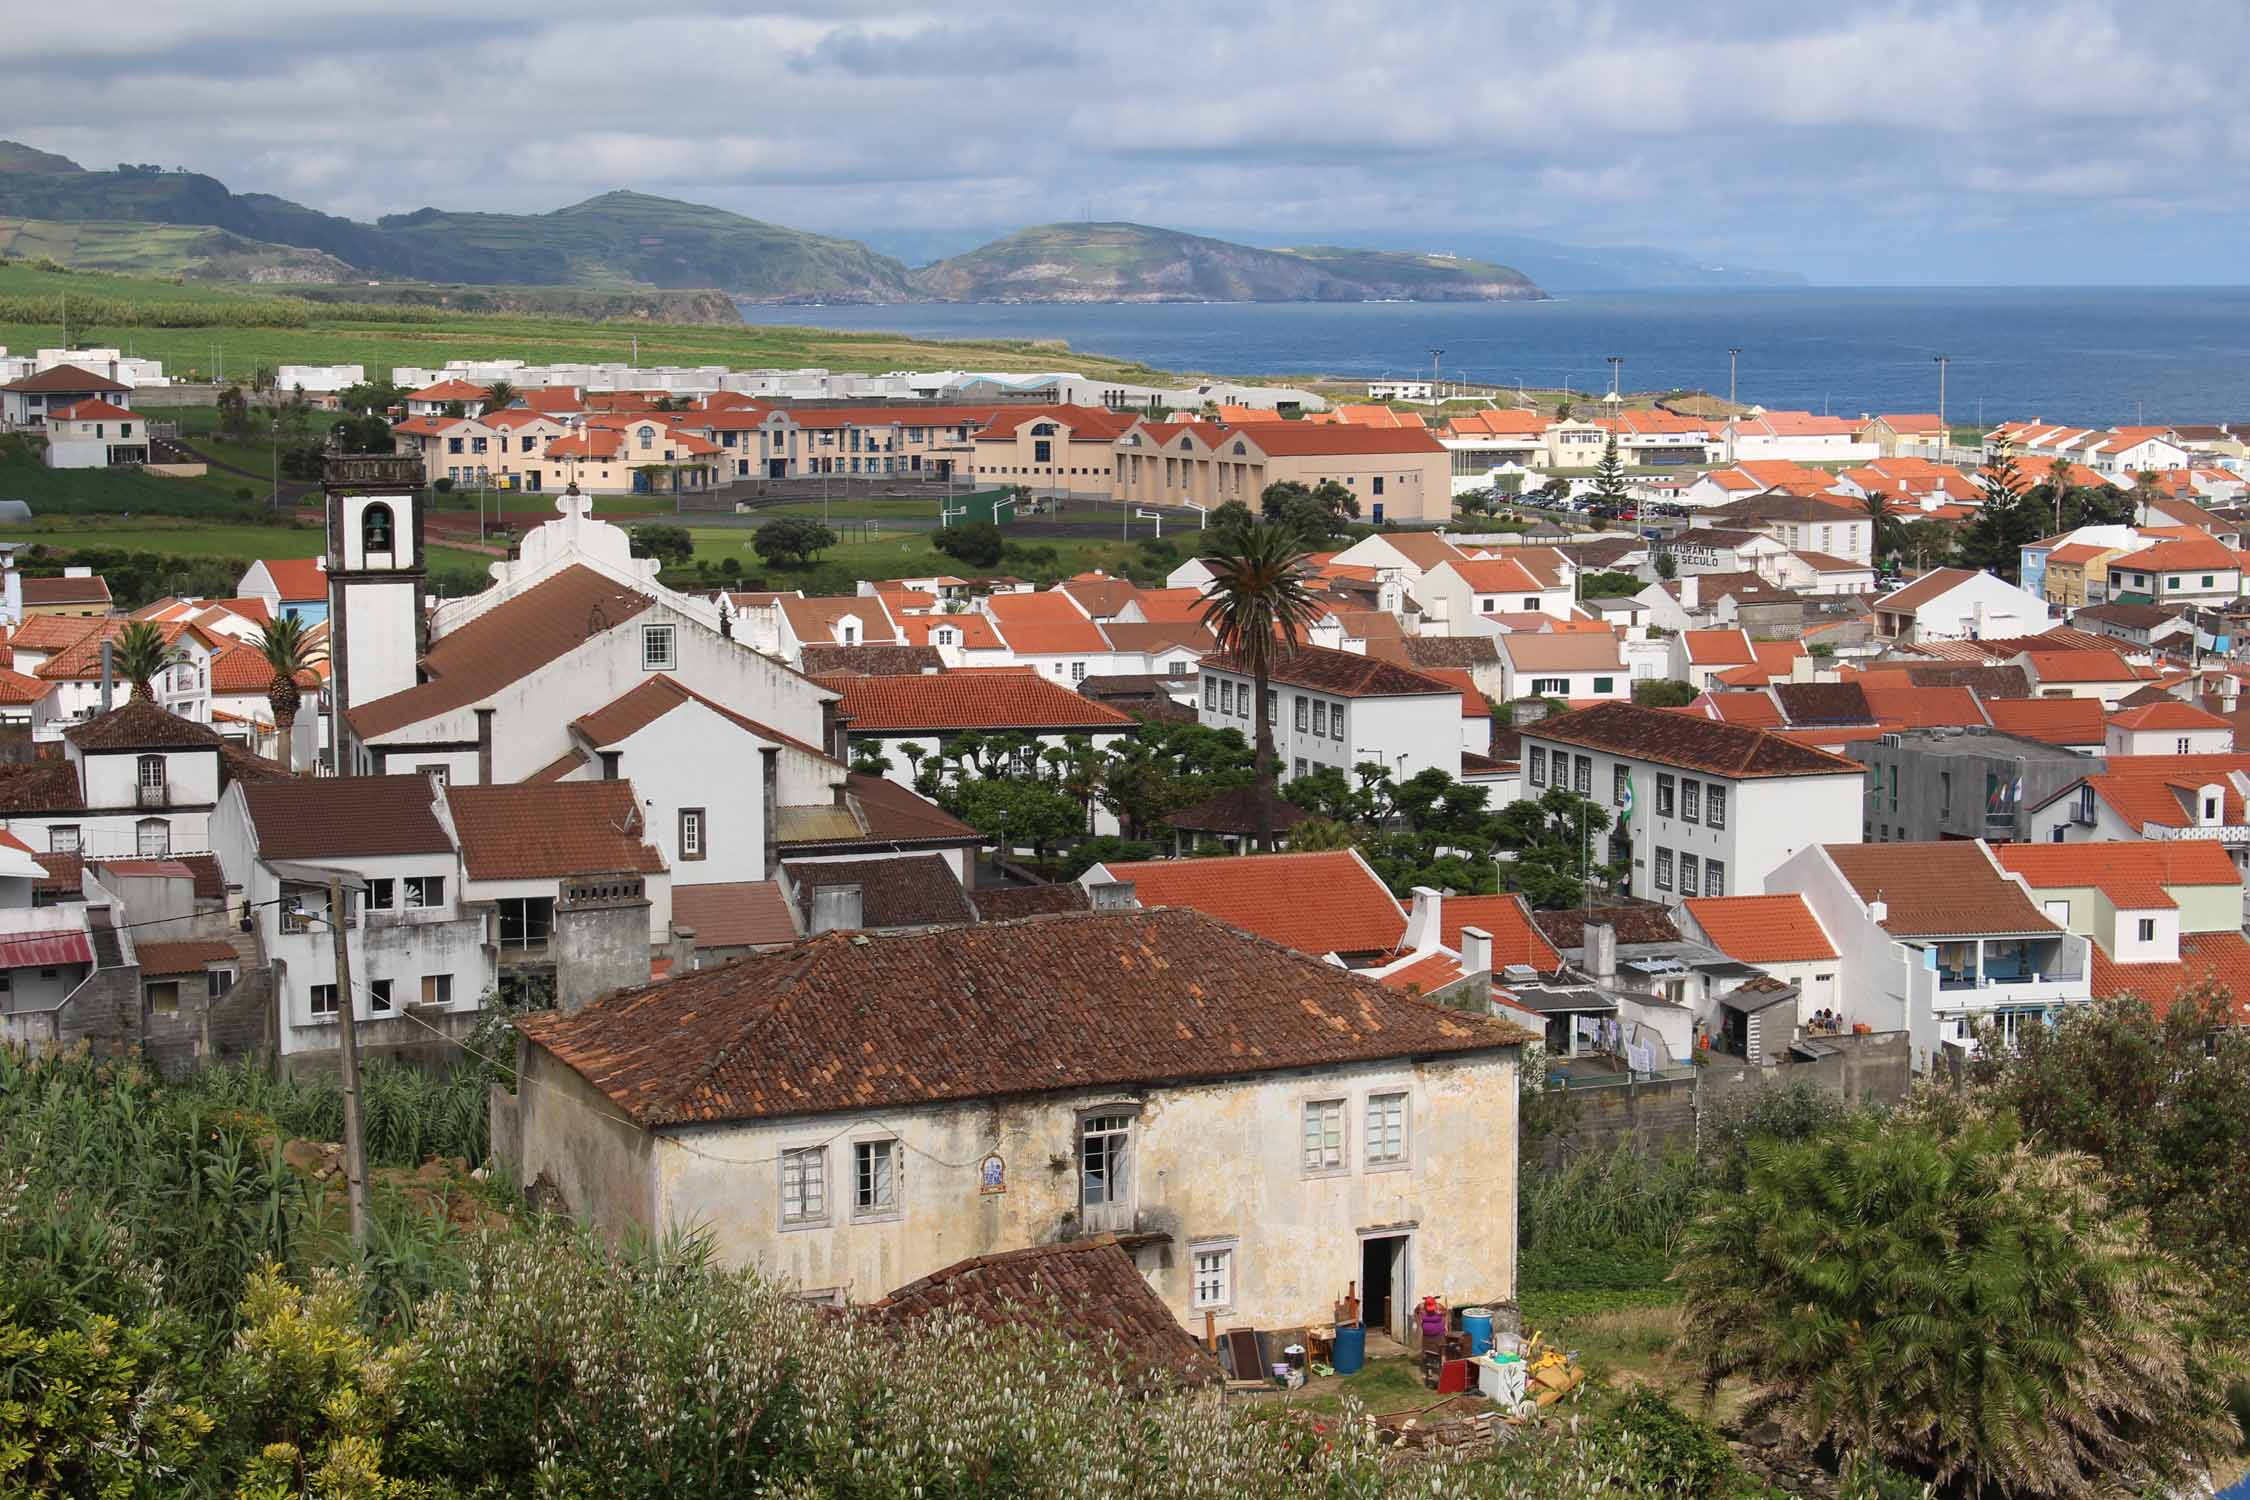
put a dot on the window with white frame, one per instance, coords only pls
(1664, 791)
(1538, 771)
(1386, 1130)
(1105, 1169)
(382, 894)
(62, 838)
(1691, 874)
(1320, 718)
(1303, 712)
(1550, 687)
(152, 838)
(1210, 692)
(691, 833)
(152, 773)
(1663, 869)
(874, 1178)
(425, 891)
(379, 994)
(437, 989)
(1714, 877)
(1691, 800)
(1226, 696)
(323, 1001)
(656, 649)
(804, 1185)
(1214, 1276)
(1620, 781)
(1336, 721)
(1715, 806)
(1582, 780)
(1324, 1136)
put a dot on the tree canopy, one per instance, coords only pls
(791, 539)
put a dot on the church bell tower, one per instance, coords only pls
(375, 575)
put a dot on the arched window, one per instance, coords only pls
(375, 528)
(1043, 429)
(648, 437)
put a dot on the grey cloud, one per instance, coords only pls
(862, 52)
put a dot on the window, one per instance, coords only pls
(691, 833)
(1665, 786)
(425, 891)
(1210, 692)
(1619, 783)
(163, 997)
(217, 982)
(1214, 1276)
(1691, 874)
(1538, 765)
(1320, 718)
(1714, 877)
(378, 994)
(1077, 671)
(1042, 452)
(1300, 771)
(1550, 687)
(439, 774)
(437, 989)
(804, 1185)
(1378, 485)
(526, 921)
(454, 445)
(375, 523)
(1273, 706)
(1583, 781)
(2146, 928)
(2181, 745)
(1335, 721)
(152, 838)
(1715, 806)
(1603, 686)
(381, 894)
(1302, 710)
(1104, 1164)
(1226, 696)
(1324, 1136)
(1386, 1130)
(1691, 800)
(323, 1000)
(874, 1178)
(648, 438)
(151, 778)
(476, 445)
(656, 649)
(1663, 869)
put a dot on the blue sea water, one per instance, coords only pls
(2092, 356)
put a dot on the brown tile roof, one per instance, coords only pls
(906, 890)
(875, 811)
(1577, 651)
(1516, 938)
(210, 880)
(814, 619)
(1938, 890)
(161, 959)
(345, 817)
(2056, 721)
(65, 380)
(1466, 651)
(1696, 744)
(39, 786)
(1007, 903)
(1235, 810)
(1342, 673)
(568, 763)
(1931, 585)
(735, 914)
(38, 591)
(626, 716)
(872, 661)
(1157, 635)
(1093, 1000)
(1089, 1291)
(1307, 439)
(1634, 924)
(967, 700)
(551, 831)
(505, 643)
(66, 874)
(1823, 702)
(142, 726)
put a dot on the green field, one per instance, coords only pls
(179, 537)
(345, 335)
(905, 555)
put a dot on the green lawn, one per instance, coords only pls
(179, 537)
(903, 555)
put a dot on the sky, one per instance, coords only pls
(1970, 142)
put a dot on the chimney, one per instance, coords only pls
(835, 908)
(769, 757)
(1878, 911)
(1426, 921)
(107, 678)
(1601, 951)
(1113, 895)
(1476, 951)
(1688, 590)
(1804, 668)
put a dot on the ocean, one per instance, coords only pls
(2091, 356)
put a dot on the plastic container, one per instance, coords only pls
(1295, 1355)
(1476, 1322)
(1501, 1378)
(1351, 1350)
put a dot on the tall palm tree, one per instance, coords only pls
(140, 655)
(282, 642)
(1258, 608)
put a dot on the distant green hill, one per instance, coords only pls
(1137, 263)
(192, 250)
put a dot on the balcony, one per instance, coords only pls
(154, 794)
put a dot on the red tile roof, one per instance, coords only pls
(549, 831)
(63, 380)
(2079, 666)
(449, 390)
(2185, 555)
(2217, 958)
(339, 817)
(1345, 674)
(92, 409)
(630, 713)
(2168, 716)
(161, 960)
(1762, 929)
(1507, 918)
(1938, 890)
(298, 580)
(2132, 873)
(1326, 902)
(242, 668)
(1696, 744)
(970, 700)
(1105, 1000)
(735, 914)
(1718, 648)
(1045, 624)
(1304, 439)
(2057, 721)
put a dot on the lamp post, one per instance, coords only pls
(1616, 374)
(1945, 433)
(1734, 353)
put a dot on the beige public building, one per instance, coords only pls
(1397, 474)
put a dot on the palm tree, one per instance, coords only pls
(140, 655)
(281, 641)
(1258, 605)
(499, 397)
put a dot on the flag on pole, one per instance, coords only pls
(1625, 808)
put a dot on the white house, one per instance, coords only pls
(1937, 940)
(2182, 570)
(1457, 598)
(95, 434)
(2167, 729)
(134, 782)
(1578, 666)
(1956, 604)
(1778, 934)
(2162, 917)
(524, 847)
(414, 944)
(1698, 807)
(1337, 709)
(1368, 1140)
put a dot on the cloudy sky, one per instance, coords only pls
(1977, 141)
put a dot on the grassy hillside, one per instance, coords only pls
(165, 250)
(190, 326)
(1138, 263)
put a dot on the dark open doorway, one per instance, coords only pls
(1382, 1260)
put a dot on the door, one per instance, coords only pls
(777, 468)
(1386, 1296)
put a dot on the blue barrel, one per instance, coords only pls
(1476, 1322)
(1351, 1349)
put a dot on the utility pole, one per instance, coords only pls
(276, 460)
(1435, 355)
(1734, 353)
(1945, 433)
(1616, 372)
(355, 1139)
